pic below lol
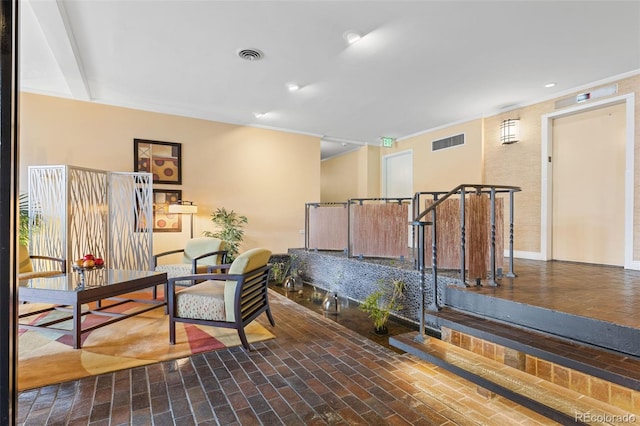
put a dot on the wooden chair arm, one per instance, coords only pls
(164, 253)
(63, 262)
(222, 267)
(206, 277)
(194, 264)
(202, 277)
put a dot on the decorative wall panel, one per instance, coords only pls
(327, 227)
(477, 235)
(131, 219)
(74, 211)
(379, 230)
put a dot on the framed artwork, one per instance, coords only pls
(162, 159)
(163, 221)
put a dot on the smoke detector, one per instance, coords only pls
(251, 54)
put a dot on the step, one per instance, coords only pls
(591, 331)
(553, 401)
(614, 367)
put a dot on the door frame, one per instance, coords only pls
(546, 216)
(385, 171)
(385, 174)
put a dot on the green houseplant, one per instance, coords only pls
(382, 301)
(290, 266)
(279, 271)
(230, 230)
(23, 223)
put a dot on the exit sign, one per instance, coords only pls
(387, 142)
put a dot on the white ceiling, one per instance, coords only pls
(418, 66)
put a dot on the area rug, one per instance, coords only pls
(47, 357)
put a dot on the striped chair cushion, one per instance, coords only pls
(202, 301)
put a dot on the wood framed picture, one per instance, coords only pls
(162, 159)
(163, 221)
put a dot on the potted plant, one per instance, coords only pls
(23, 225)
(230, 231)
(381, 302)
(279, 271)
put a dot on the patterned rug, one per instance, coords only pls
(47, 357)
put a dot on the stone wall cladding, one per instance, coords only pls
(356, 278)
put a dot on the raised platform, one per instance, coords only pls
(592, 304)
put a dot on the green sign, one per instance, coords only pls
(387, 142)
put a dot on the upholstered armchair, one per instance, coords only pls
(231, 299)
(198, 255)
(27, 271)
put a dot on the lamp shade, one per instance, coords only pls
(183, 207)
(510, 131)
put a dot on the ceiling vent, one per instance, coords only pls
(449, 142)
(251, 54)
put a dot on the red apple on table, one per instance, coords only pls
(89, 256)
(98, 261)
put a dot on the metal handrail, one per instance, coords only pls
(419, 224)
(457, 189)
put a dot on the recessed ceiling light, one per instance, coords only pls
(351, 36)
(259, 114)
(550, 84)
(292, 86)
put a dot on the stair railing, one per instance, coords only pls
(419, 223)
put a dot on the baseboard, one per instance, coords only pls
(531, 255)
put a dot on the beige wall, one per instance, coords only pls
(369, 183)
(518, 164)
(339, 177)
(352, 175)
(445, 169)
(265, 175)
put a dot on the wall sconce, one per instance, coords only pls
(184, 207)
(510, 131)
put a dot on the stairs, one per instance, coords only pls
(568, 382)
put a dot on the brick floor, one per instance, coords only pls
(315, 372)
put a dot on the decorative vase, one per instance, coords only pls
(289, 284)
(292, 283)
(330, 303)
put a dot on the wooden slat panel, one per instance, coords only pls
(478, 227)
(477, 233)
(448, 235)
(328, 227)
(379, 230)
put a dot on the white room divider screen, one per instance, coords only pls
(74, 211)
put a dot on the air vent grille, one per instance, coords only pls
(449, 142)
(251, 54)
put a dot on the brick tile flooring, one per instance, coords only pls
(315, 372)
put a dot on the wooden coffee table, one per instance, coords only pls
(68, 292)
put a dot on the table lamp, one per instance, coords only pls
(184, 207)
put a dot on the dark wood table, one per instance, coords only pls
(68, 292)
